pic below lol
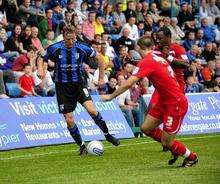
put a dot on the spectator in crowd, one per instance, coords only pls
(96, 7)
(154, 12)
(44, 85)
(141, 30)
(3, 18)
(111, 85)
(208, 53)
(130, 11)
(108, 61)
(177, 33)
(213, 9)
(109, 25)
(26, 37)
(139, 14)
(189, 41)
(204, 10)
(132, 27)
(80, 36)
(209, 34)
(217, 66)
(193, 53)
(45, 24)
(57, 17)
(200, 38)
(49, 40)
(125, 40)
(88, 26)
(193, 86)
(208, 72)
(28, 14)
(13, 43)
(98, 24)
(26, 82)
(22, 60)
(67, 18)
(36, 41)
(119, 16)
(84, 8)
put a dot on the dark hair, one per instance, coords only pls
(68, 29)
(145, 42)
(27, 64)
(166, 31)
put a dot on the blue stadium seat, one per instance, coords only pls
(13, 90)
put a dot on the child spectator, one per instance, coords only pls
(26, 82)
(49, 40)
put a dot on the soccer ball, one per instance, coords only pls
(95, 148)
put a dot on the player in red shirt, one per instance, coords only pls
(172, 104)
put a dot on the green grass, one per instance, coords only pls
(137, 160)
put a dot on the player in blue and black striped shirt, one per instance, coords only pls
(68, 56)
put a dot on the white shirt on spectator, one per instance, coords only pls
(133, 31)
(48, 79)
(123, 98)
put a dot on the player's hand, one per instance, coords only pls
(105, 98)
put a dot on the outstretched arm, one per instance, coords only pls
(126, 85)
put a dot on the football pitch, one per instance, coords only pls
(137, 160)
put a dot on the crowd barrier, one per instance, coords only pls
(203, 114)
(34, 121)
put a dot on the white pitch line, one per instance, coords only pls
(27, 156)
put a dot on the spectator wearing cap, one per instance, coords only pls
(88, 26)
(45, 24)
(130, 11)
(133, 34)
(209, 34)
(98, 24)
(176, 33)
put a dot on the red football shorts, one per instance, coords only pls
(170, 114)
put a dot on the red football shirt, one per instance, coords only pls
(26, 83)
(178, 52)
(161, 75)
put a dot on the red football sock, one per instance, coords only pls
(156, 134)
(179, 149)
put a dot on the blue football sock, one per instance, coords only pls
(101, 123)
(74, 132)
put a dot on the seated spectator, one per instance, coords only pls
(189, 41)
(108, 61)
(26, 37)
(216, 83)
(193, 53)
(111, 85)
(99, 21)
(36, 41)
(98, 38)
(90, 79)
(209, 34)
(84, 8)
(80, 36)
(176, 33)
(125, 40)
(57, 18)
(3, 18)
(119, 16)
(22, 60)
(26, 82)
(208, 53)
(213, 9)
(193, 86)
(49, 40)
(133, 30)
(141, 28)
(149, 25)
(29, 15)
(45, 24)
(110, 52)
(200, 38)
(154, 12)
(44, 85)
(13, 43)
(138, 11)
(208, 72)
(109, 25)
(88, 26)
(96, 7)
(127, 70)
(130, 11)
